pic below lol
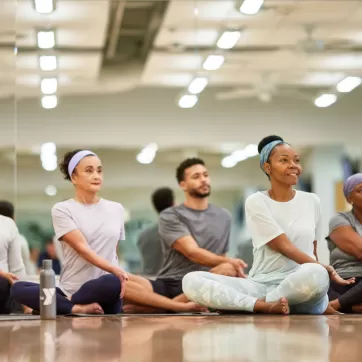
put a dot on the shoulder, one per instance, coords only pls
(8, 224)
(63, 206)
(170, 213)
(256, 201)
(342, 218)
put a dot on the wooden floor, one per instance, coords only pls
(184, 339)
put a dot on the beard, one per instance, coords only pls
(198, 194)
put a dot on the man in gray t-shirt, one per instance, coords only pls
(149, 243)
(194, 236)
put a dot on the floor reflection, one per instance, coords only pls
(184, 339)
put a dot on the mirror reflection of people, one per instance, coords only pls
(11, 263)
(50, 253)
(149, 243)
(7, 209)
(345, 245)
(285, 225)
(89, 228)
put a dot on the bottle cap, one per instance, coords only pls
(47, 264)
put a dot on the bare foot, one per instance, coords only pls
(331, 311)
(27, 310)
(335, 304)
(191, 307)
(357, 308)
(279, 307)
(93, 308)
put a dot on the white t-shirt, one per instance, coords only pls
(299, 218)
(10, 248)
(102, 225)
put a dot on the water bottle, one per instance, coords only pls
(48, 306)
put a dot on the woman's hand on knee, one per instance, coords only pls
(10, 277)
(336, 277)
(123, 277)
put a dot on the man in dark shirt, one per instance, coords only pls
(149, 244)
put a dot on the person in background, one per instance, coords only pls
(7, 209)
(149, 243)
(50, 253)
(285, 225)
(345, 245)
(194, 236)
(11, 263)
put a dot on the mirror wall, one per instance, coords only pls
(8, 127)
(111, 76)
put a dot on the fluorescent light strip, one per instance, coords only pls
(49, 102)
(188, 101)
(44, 6)
(197, 85)
(46, 39)
(213, 62)
(228, 39)
(48, 62)
(251, 7)
(348, 84)
(49, 85)
(325, 100)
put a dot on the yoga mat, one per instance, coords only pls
(18, 317)
(143, 315)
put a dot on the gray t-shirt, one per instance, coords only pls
(210, 228)
(102, 225)
(149, 246)
(346, 265)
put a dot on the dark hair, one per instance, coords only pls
(7, 209)
(162, 199)
(64, 163)
(184, 165)
(266, 140)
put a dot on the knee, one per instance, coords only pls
(17, 290)
(317, 276)
(4, 285)
(113, 284)
(191, 281)
(226, 269)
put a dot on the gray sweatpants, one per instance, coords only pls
(305, 289)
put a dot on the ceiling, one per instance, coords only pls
(112, 46)
(123, 65)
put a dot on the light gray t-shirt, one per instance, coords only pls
(10, 248)
(102, 225)
(346, 265)
(149, 246)
(210, 228)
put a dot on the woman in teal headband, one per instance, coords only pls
(285, 224)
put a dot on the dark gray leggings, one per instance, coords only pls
(347, 295)
(104, 290)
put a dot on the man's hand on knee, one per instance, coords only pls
(226, 269)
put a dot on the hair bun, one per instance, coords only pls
(266, 140)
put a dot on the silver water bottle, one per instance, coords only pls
(48, 306)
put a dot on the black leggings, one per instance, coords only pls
(104, 290)
(347, 295)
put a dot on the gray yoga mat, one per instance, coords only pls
(18, 317)
(144, 315)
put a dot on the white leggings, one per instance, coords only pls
(305, 289)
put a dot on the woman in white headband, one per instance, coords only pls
(89, 229)
(285, 225)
